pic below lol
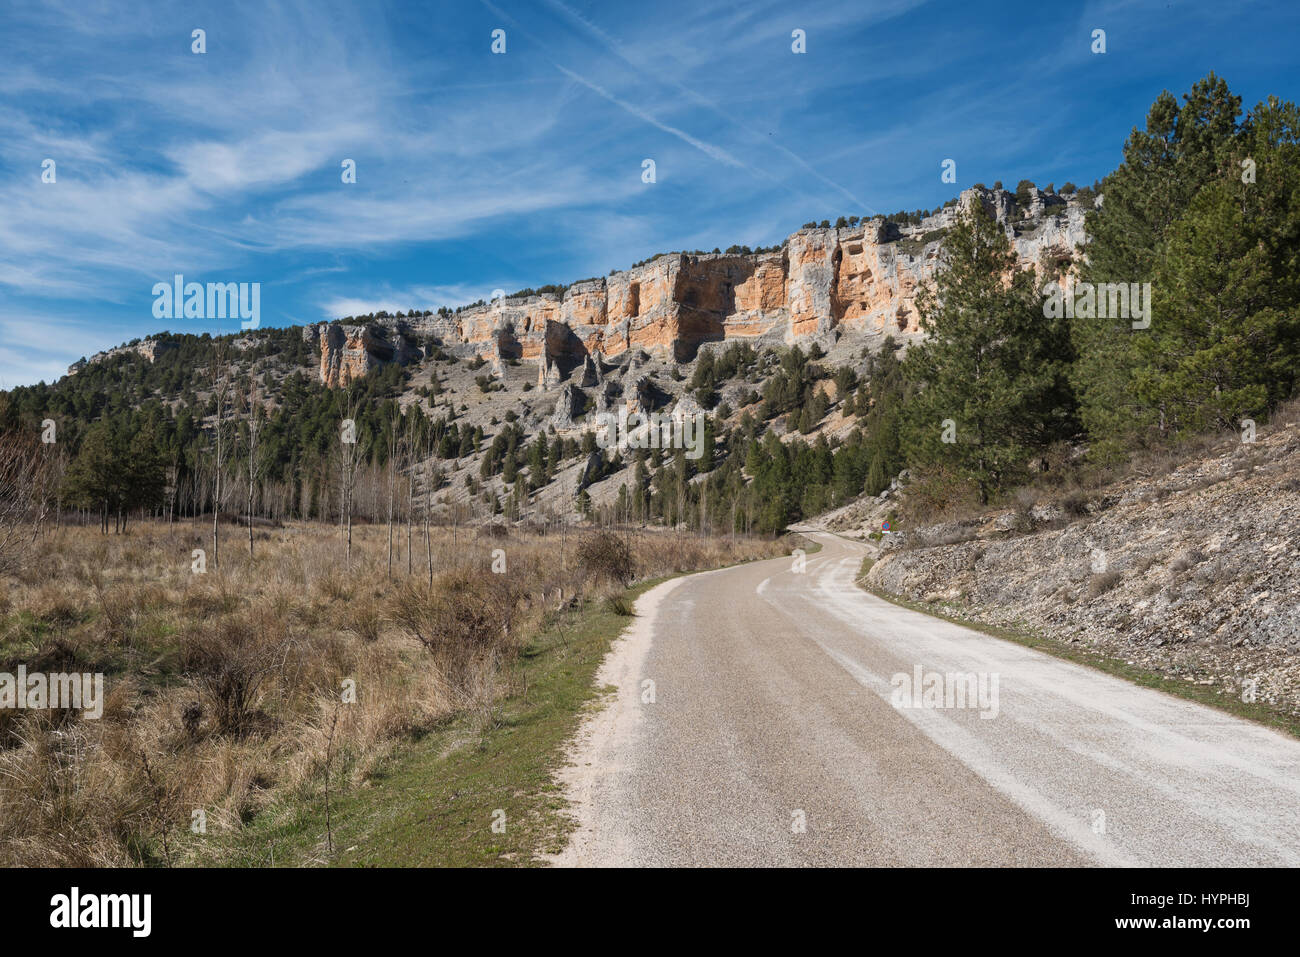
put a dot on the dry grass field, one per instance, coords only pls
(224, 689)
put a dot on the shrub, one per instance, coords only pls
(230, 662)
(606, 556)
(1024, 510)
(618, 605)
(1075, 504)
(464, 621)
(1188, 559)
(192, 718)
(1103, 582)
(940, 494)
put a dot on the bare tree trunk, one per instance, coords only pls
(392, 454)
(428, 541)
(219, 373)
(25, 478)
(410, 508)
(253, 433)
(349, 455)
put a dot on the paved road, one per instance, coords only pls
(773, 739)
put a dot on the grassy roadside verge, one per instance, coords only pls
(432, 802)
(809, 545)
(1259, 712)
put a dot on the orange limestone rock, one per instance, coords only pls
(821, 284)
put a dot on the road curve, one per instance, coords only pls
(770, 736)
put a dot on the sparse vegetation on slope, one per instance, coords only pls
(1184, 569)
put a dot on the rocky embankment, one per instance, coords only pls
(1194, 573)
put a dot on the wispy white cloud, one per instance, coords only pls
(744, 28)
(39, 347)
(708, 149)
(251, 166)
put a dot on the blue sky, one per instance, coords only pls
(479, 171)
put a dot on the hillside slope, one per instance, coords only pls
(1194, 573)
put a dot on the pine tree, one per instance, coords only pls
(96, 477)
(877, 480)
(145, 480)
(881, 406)
(1227, 343)
(705, 462)
(1165, 165)
(991, 363)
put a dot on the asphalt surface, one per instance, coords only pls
(774, 738)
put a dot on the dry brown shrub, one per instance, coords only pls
(464, 621)
(230, 660)
(606, 557)
(1103, 582)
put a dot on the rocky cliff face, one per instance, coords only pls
(822, 283)
(349, 352)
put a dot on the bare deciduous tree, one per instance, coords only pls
(393, 444)
(408, 460)
(254, 462)
(349, 453)
(24, 501)
(219, 377)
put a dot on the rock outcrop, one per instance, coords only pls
(348, 352)
(548, 371)
(150, 348)
(607, 396)
(591, 470)
(821, 284)
(686, 408)
(570, 404)
(642, 397)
